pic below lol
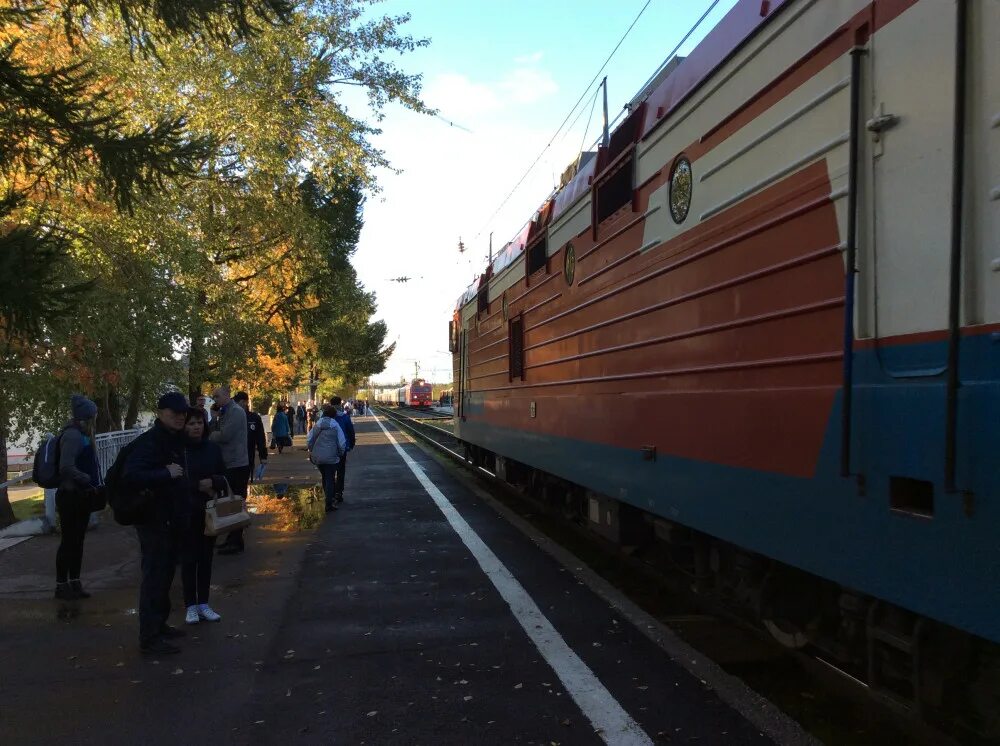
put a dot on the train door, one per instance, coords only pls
(909, 139)
(907, 146)
(463, 372)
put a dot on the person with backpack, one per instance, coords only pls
(153, 477)
(205, 472)
(327, 445)
(343, 418)
(79, 483)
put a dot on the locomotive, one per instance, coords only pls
(417, 393)
(755, 332)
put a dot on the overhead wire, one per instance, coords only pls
(563, 124)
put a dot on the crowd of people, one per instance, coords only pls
(190, 455)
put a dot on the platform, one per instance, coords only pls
(416, 614)
(424, 617)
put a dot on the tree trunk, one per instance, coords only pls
(134, 395)
(313, 382)
(6, 511)
(103, 411)
(195, 366)
(114, 407)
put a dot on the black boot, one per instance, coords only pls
(64, 592)
(77, 589)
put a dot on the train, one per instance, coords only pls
(753, 336)
(417, 393)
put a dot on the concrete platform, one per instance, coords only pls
(415, 614)
(423, 617)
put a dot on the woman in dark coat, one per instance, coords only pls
(79, 480)
(281, 430)
(205, 471)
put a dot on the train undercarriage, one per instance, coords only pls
(923, 668)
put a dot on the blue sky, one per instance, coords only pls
(510, 72)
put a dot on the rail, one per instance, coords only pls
(422, 430)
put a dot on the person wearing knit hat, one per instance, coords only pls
(79, 481)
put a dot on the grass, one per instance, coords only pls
(29, 507)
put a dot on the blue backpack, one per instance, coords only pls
(45, 470)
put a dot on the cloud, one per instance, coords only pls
(462, 98)
(529, 59)
(525, 85)
(453, 93)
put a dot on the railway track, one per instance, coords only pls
(422, 412)
(784, 676)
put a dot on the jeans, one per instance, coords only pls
(74, 514)
(238, 478)
(196, 563)
(329, 474)
(341, 474)
(158, 545)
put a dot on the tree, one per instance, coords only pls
(184, 183)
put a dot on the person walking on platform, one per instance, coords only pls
(256, 442)
(327, 446)
(280, 429)
(344, 420)
(154, 464)
(300, 419)
(205, 474)
(231, 436)
(79, 482)
(290, 413)
(271, 412)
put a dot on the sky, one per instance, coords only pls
(506, 74)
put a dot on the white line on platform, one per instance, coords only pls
(609, 719)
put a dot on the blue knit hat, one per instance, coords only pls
(82, 407)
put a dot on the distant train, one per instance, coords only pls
(417, 393)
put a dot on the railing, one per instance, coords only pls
(108, 446)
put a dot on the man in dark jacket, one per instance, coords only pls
(344, 420)
(256, 441)
(155, 464)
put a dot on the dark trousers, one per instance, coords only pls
(329, 474)
(196, 564)
(341, 474)
(238, 478)
(74, 514)
(158, 545)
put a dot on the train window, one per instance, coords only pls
(515, 336)
(569, 264)
(615, 191)
(537, 255)
(483, 299)
(680, 189)
(911, 495)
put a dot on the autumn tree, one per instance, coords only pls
(180, 187)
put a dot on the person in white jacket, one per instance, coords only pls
(327, 445)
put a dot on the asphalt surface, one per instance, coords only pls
(374, 625)
(395, 635)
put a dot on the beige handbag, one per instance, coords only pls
(226, 513)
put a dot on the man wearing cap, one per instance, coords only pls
(155, 464)
(231, 435)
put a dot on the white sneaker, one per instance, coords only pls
(206, 613)
(192, 615)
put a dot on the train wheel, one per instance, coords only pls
(791, 607)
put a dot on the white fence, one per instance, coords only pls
(108, 445)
